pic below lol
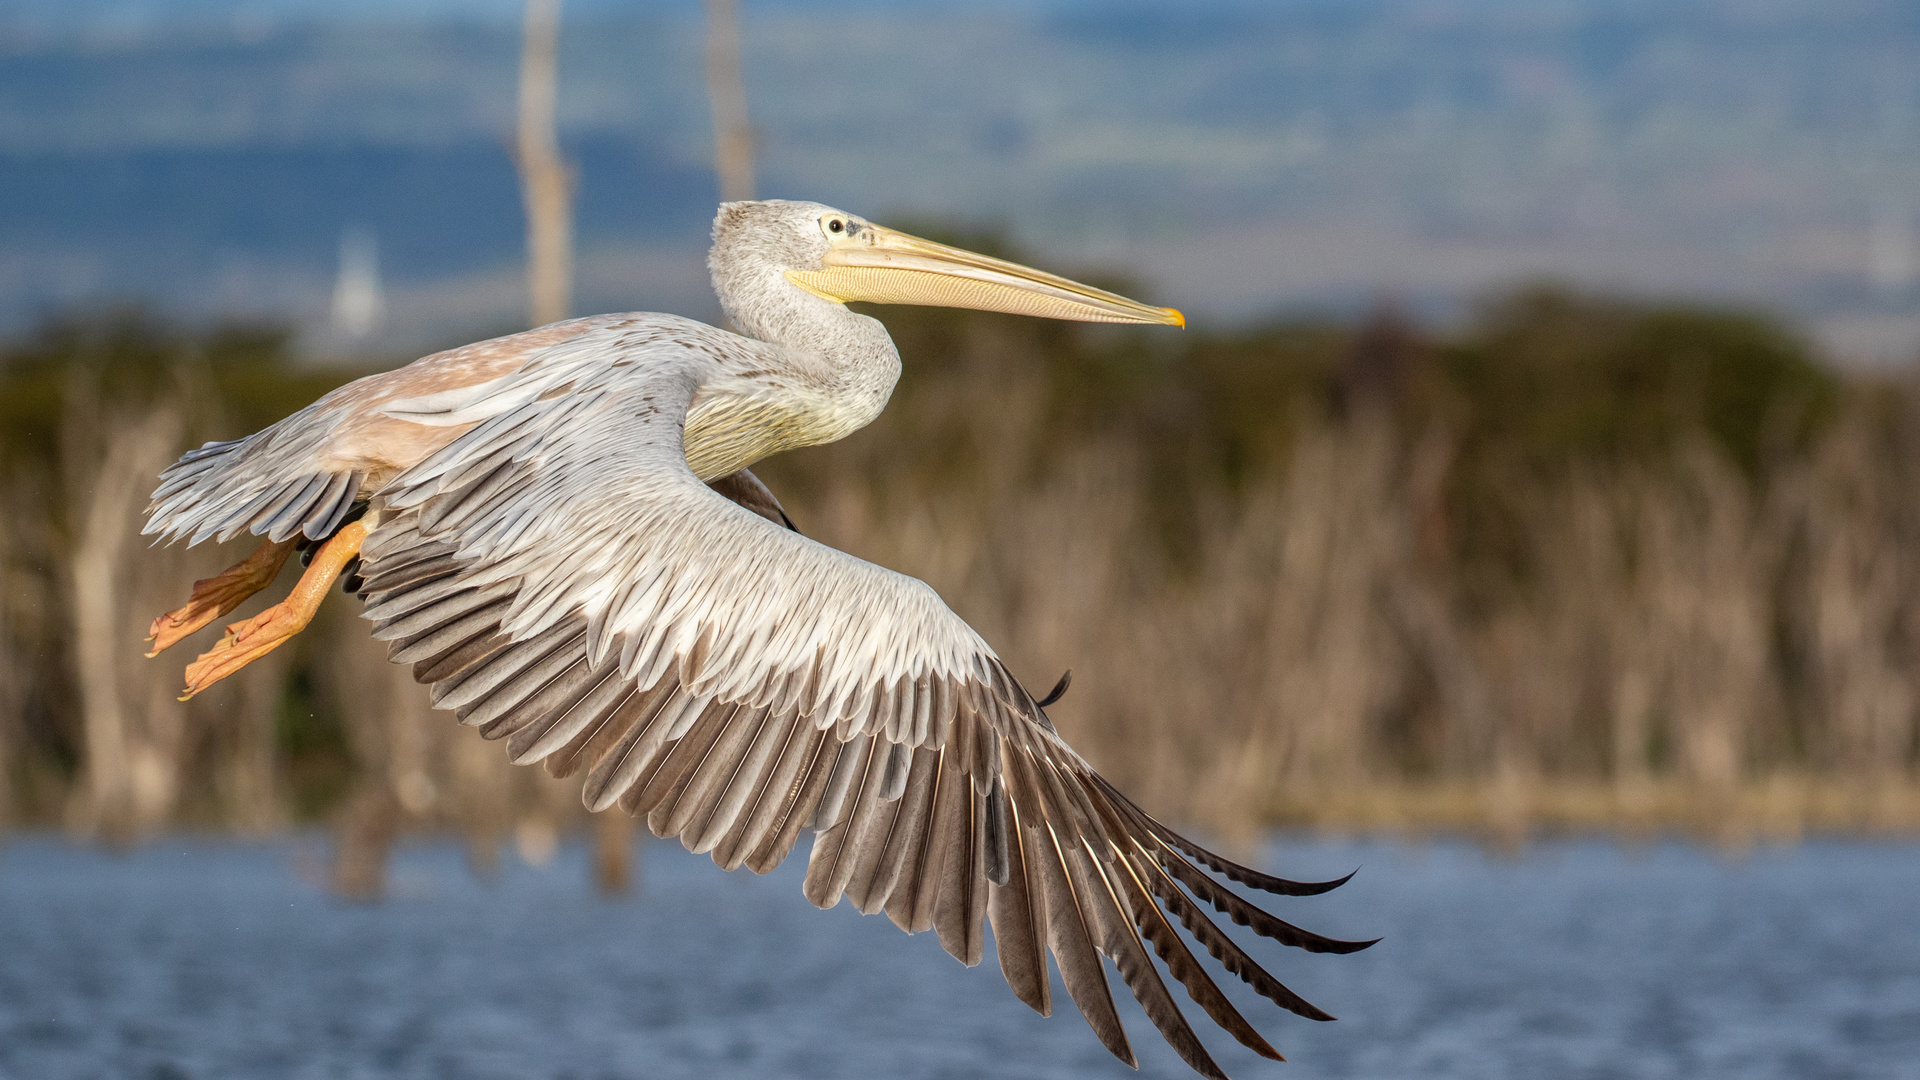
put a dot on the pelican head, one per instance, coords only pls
(838, 257)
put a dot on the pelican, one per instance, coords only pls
(559, 532)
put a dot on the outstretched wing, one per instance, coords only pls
(566, 583)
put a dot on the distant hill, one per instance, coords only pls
(1241, 158)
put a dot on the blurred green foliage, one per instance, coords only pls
(1554, 377)
(311, 742)
(234, 377)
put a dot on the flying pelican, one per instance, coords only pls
(557, 529)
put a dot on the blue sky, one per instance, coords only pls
(1325, 152)
(71, 13)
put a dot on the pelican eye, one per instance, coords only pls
(835, 225)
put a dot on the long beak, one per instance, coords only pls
(882, 266)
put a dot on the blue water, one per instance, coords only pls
(192, 959)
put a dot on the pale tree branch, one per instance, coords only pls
(727, 92)
(546, 182)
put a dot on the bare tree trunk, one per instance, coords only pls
(363, 840)
(11, 674)
(482, 788)
(727, 93)
(613, 852)
(107, 800)
(247, 771)
(385, 716)
(545, 181)
(131, 775)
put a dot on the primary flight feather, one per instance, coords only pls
(558, 531)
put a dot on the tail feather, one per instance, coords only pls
(269, 483)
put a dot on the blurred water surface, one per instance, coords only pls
(215, 959)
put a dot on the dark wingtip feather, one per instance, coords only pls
(1315, 888)
(1245, 875)
(1318, 943)
(1233, 871)
(1059, 689)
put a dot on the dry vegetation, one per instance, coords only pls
(1581, 564)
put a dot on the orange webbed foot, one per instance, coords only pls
(250, 639)
(243, 643)
(216, 596)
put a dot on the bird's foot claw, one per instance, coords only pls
(216, 596)
(212, 598)
(243, 643)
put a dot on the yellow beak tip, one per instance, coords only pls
(1174, 318)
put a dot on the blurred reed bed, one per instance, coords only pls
(1581, 563)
